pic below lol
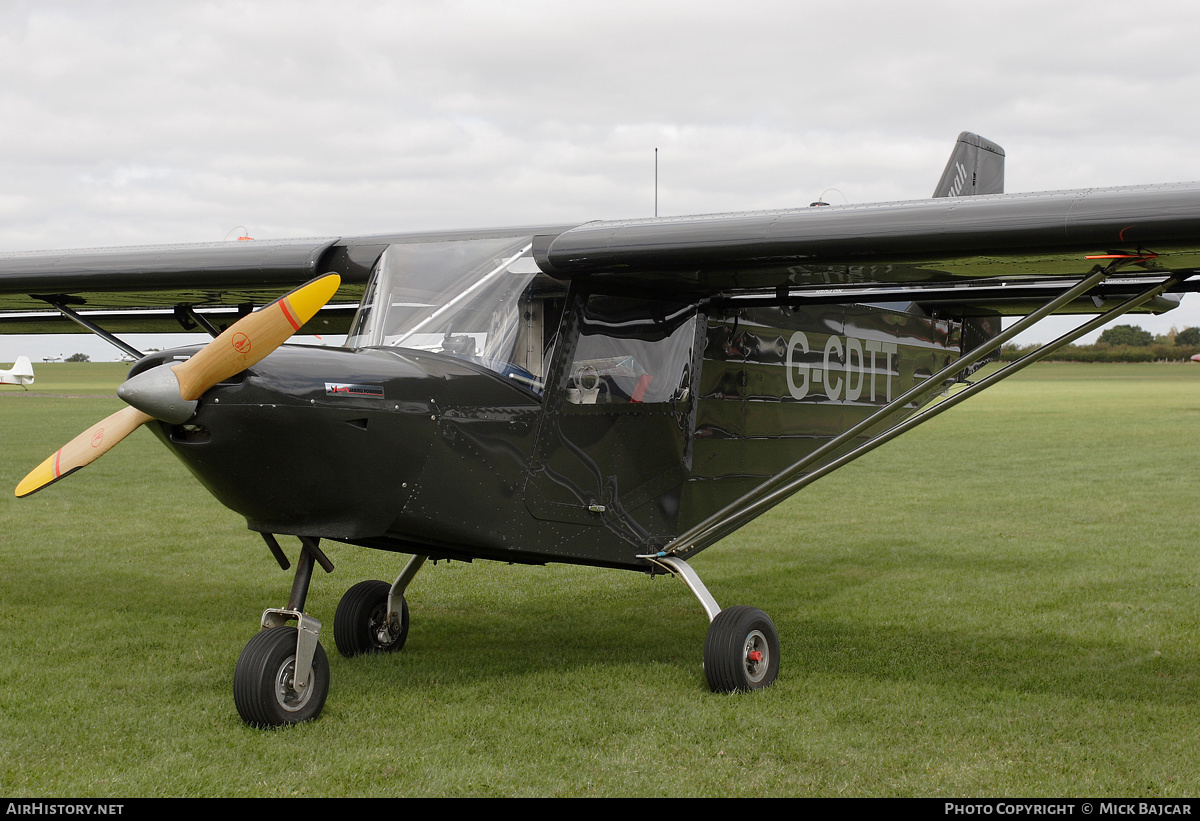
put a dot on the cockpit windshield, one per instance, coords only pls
(483, 300)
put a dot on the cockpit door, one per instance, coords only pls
(615, 443)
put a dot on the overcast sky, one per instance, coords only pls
(130, 123)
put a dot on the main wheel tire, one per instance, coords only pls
(264, 676)
(741, 651)
(360, 624)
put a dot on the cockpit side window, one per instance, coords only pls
(632, 352)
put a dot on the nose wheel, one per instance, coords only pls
(266, 689)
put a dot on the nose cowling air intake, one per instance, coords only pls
(170, 392)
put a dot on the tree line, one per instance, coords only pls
(1123, 343)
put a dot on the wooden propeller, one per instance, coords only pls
(241, 345)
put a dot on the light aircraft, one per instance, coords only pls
(21, 373)
(617, 394)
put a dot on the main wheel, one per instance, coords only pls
(361, 625)
(741, 651)
(264, 681)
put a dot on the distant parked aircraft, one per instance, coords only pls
(21, 373)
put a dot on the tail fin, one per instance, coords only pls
(976, 167)
(22, 367)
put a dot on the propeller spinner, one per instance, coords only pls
(169, 392)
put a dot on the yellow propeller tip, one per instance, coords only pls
(39, 477)
(305, 301)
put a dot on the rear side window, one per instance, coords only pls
(632, 351)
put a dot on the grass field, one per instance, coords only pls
(1001, 603)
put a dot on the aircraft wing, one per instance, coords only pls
(168, 288)
(947, 246)
(975, 255)
(147, 289)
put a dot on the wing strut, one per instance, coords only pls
(60, 305)
(784, 484)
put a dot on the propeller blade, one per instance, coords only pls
(83, 449)
(252, 337)
(243, 343)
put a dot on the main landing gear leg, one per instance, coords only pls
(282, 675)
(741, 650)
(372, 616)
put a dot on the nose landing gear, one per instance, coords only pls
(282, 675)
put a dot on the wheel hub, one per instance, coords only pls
(285, 688)
(382, 629)
(756, 655)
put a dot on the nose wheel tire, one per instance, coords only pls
(741, 651)
(264, 681)
(361, 623)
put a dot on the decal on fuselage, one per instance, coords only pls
(866, 365)
(349, 389)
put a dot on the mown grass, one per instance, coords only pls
(71, 378)
(1003, 602)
